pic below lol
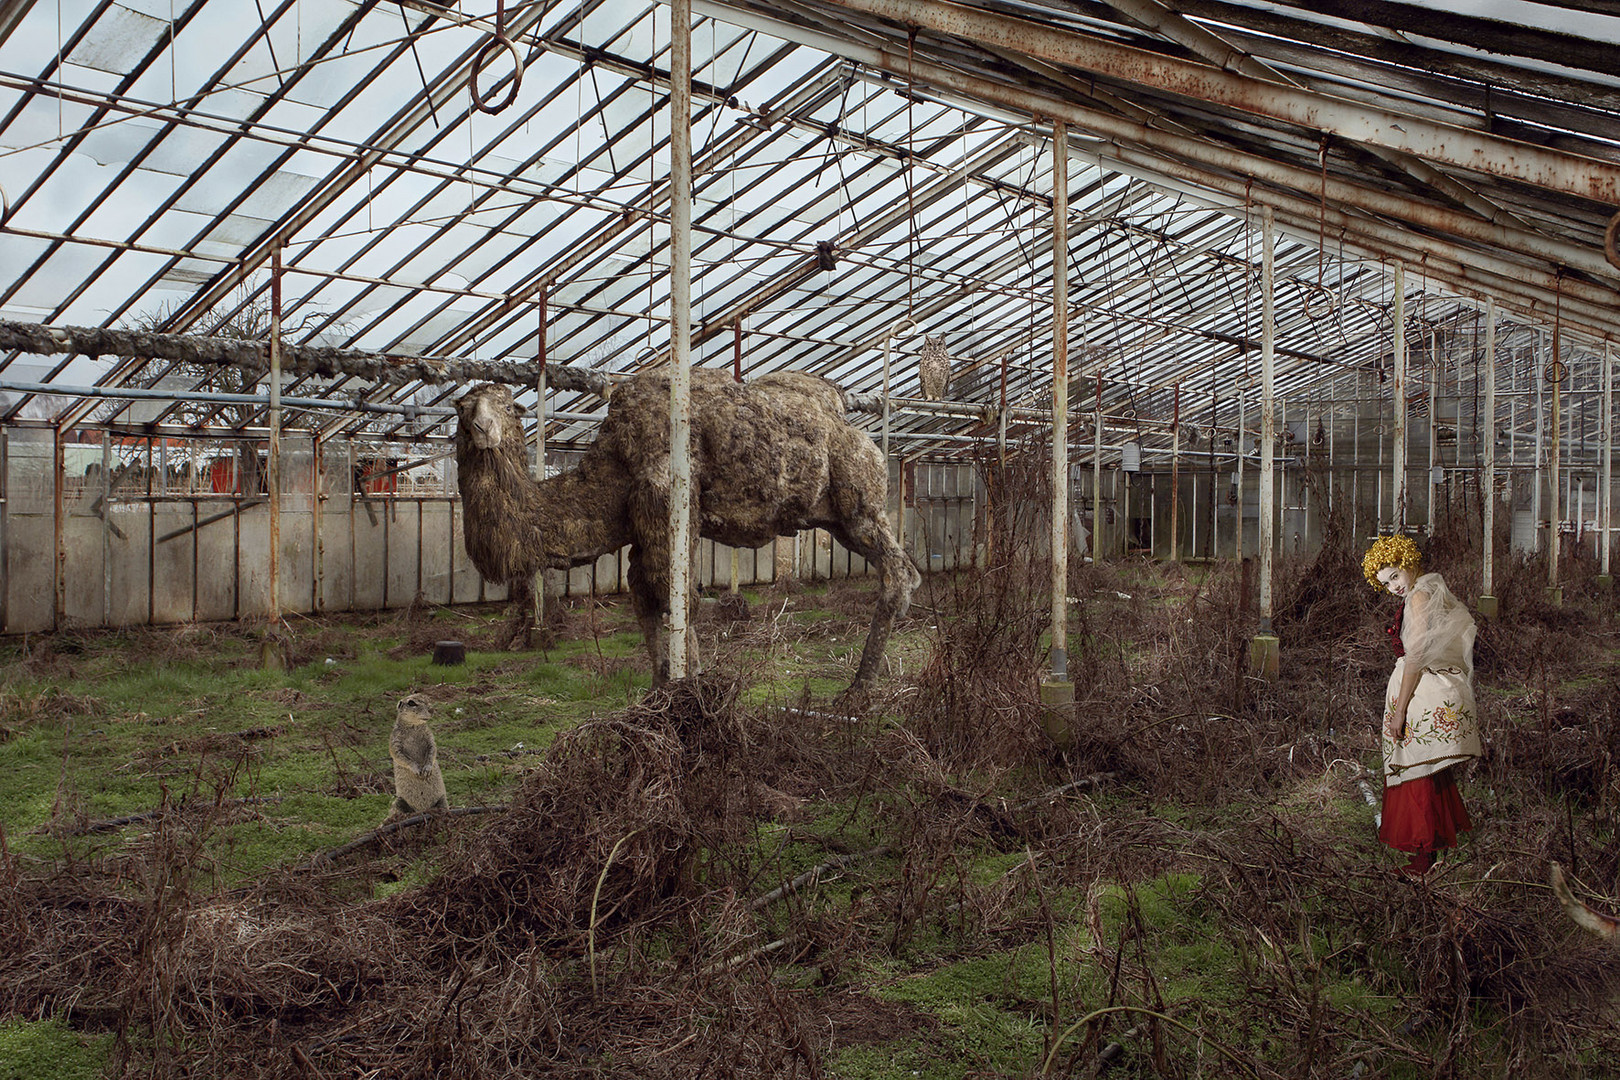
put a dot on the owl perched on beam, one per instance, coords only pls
(934, 368)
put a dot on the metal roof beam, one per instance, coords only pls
(1573, 174)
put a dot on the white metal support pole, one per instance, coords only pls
(1096, 473)
(1552, 374)
(1606, 467)
(1398, 393)
(1242, 434)
(1434, 440)
(273, 470)
(1487, 594)
(1175, 478)
(1060, 401)
(680, 325)
(1264, 650)
(539, 583)
(1268, 420)
(1539, 467)
(897, 515)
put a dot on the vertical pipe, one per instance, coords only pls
(1355, 472)
(1268, 417)
(680, 320)
(1540, 443)
(317, 587)
(106, 527)
(58, 532)
(1488, 579)
(1606, 447)
(1175, 476)
(1554, 376)
(736, 375)
(1242, 434)
(542, 352)
(1398, 493)
(1060, 400)
(1434, 404)
(273, 466)
(1097, 515)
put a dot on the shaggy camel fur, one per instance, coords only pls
(769, 457)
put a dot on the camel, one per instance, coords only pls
(769, 457)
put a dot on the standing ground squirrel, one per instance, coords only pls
(418, 780)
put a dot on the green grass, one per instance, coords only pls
(116, 721)
(50, 1050)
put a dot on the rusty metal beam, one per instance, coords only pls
(1448, 144)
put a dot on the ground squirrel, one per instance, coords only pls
(418, 780)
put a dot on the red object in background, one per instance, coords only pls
(374, 484)
(222, 476)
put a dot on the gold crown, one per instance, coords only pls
(1397, 551)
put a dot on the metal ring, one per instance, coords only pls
(1555, 372)
(5, 204)
(1308, 306)
(1611, 238)
(498, 41)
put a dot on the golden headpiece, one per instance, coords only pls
(1397, 551)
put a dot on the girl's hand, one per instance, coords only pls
(1395, 721)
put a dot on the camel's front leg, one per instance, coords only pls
(520, 620)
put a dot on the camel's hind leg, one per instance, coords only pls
(868, 536)
(649, 583)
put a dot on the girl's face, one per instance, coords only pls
(1396, 580)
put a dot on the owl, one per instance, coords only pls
(934, 368)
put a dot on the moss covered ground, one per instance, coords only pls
(1186, 883)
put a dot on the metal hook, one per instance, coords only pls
(497, 41)
(1611, 237)
(5, 204)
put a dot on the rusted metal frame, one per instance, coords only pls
(1298, 40)
(12, 12)
(1060, 402)
(71, 144)
(632, 219)
(1222, 53)
(1571, 174)
(400, 127)
(632, 216)
(508, 300)
(1552, 373)
(1175, 478)
(1473, 32)
(1214, 162)
(1463, 268)
(120, 372)
(1488, 495)
(273, 465)
(1606, 442)
(1208, 156)
(800, 271)
(1268, 422)
(1398, 404)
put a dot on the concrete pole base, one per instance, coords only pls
(1555, 595)
(1605, 582)
(1487, 607)
(1265, 656)
(1057, 711)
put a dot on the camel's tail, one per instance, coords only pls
(1602, 925)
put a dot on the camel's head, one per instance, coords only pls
(488, 416)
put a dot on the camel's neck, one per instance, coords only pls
(585, 517)
(571, 518)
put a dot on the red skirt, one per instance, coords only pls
(1424, 814)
